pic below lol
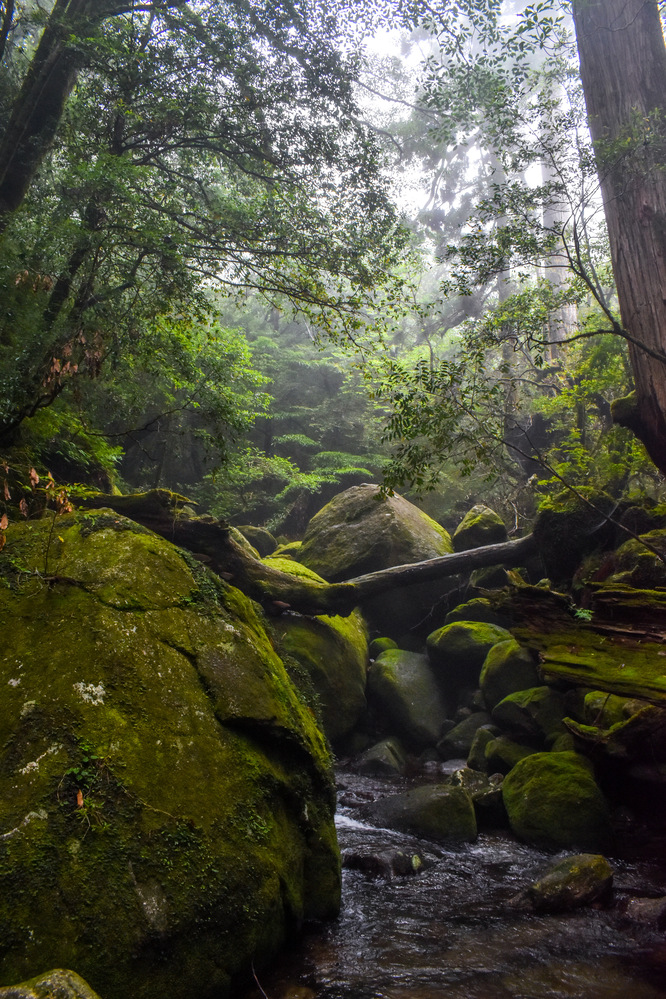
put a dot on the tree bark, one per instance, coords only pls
(623, 70)
(159, 510)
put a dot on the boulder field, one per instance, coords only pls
(166, 793)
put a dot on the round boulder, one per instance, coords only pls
(508, 667)
(260, 538)
(458, 651)
(438, 811)
(406, 697)
(553, 801)
(458, 740)
(480, 526)
(534, 715)
(572, 883)
(56, 984)
(361, 531)
(384, 758)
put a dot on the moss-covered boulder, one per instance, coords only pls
(56, 984)
(438, 811)
(166, 804)
(567, 528)
(476, 759)
(379, 645)
(508, 667)
(361, 531)
(640, 737)
(458, 740)
(480, 526)
(603, 710)
(260, 538)
(406, 698)
(553, 800)
(534, 715)
(572, 883)
(387, 758)
(326, 657)
(638, 562)
(503, 753)
(478, 609)
(458, 651)
(289, 549)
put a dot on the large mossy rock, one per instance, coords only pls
(406, 698)
(56, 984)
(260, 538)
(361, 531)
(439, 811)
(638, 565)
(508, 667)
(480, 526)
(568, 527)
(166, 805)
(326, 657)
(553, 800)
(534, 715)
(458, 651)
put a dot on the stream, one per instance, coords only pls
(447, 931)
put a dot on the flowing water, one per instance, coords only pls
(447, 932)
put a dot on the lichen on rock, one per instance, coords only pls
(163, 790)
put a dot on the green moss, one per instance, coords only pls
(56, 984)
(205, 827)
(508, 667)
(534, 714)
(288, 550)
(326, 657)
(571, 883)
(478, 609)
(361, 531)
(379, 645)
(458, 650)
(480, 526)
(552, 800)
(406, 697)
(502, 754)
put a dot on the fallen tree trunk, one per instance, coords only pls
(161, 511)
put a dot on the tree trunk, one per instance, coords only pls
(623, 69)
(277, 591)
(40, 103)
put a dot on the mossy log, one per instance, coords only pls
(163, 512)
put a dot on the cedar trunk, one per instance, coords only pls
(623, 70)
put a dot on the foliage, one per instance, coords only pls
(202, 145)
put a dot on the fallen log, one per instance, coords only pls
(162, 512)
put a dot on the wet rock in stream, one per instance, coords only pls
(448, 932)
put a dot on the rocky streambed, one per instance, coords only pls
(420, 920)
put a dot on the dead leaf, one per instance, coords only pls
(8, 495)
(3, 541)
(79, 798)
(34, 478)
(4, 522)
(23, 507)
